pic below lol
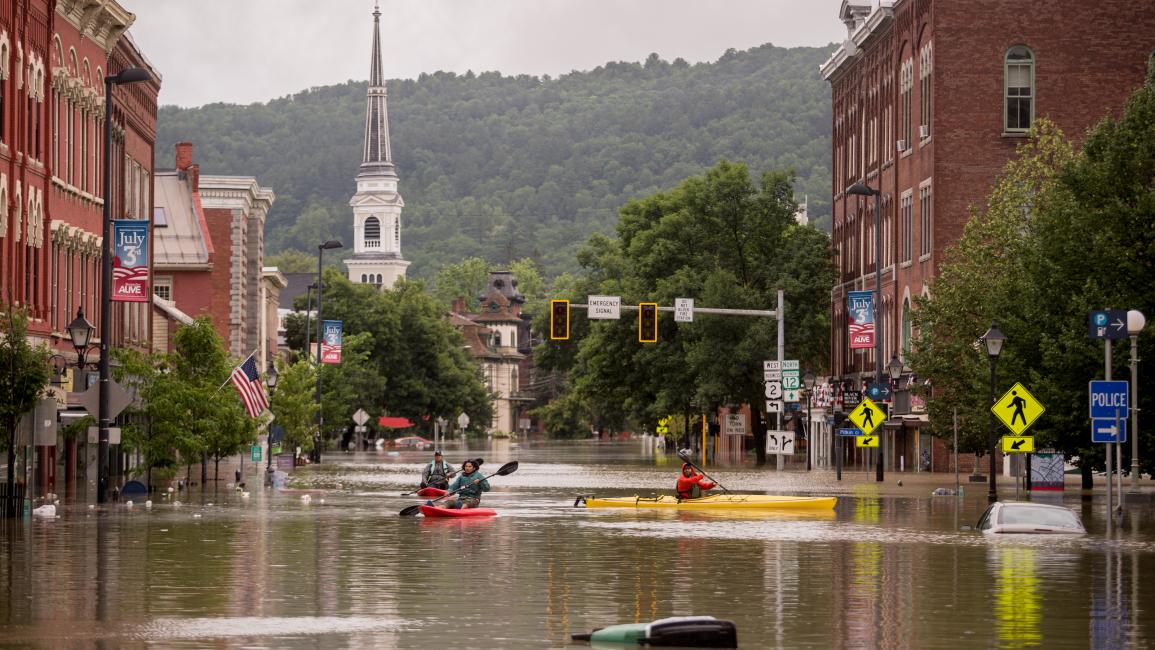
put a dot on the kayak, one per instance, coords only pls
(714, 501)
(431, 492)
(434, 511)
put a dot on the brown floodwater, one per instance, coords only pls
(889, 568)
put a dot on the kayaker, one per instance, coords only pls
(691, 484)
(468, 487)
(437, 473)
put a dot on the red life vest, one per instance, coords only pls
(687, 484)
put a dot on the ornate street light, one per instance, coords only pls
(994, 340)
(271, 377)
(808, 382)
(80, 330)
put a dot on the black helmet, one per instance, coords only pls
(437, 453)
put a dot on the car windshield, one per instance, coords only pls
(1034, 516)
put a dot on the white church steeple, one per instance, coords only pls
(376, 206)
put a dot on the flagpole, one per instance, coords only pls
(234, 370)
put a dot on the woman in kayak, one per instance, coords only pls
(437, 473)
(468, 486)
(691, 484)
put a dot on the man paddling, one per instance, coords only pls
(468, 487)
(691, 484)
(437, 473)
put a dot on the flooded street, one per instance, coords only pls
(342, 569)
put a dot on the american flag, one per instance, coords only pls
(248, 383)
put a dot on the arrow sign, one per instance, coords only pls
(1106, 431)
(866, 441)
(1018, 444)
(1107, 324)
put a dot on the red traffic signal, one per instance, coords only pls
(648, 322)
(559, 320)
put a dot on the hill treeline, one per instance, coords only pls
(506, 168)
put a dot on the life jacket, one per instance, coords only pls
(692, 486)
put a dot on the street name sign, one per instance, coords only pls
(683, 310)
(1108, 399)
(780, 442)
(1018, 444)
(604, 307)
(1107, 324)
(255, 453)
(866, 441)
(849, 433)
(1017, 409)
(1107, 431)
(867, 416)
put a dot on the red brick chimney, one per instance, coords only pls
(194, 176)
(459, 305)
(183, 155)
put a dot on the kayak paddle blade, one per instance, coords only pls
(411, 511)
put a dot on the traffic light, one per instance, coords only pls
(559, 320)
(648, 322)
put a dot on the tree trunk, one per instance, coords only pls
(759, 427)
(204, 469)
(1086, 474)
(216, 471)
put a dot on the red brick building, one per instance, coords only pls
(930, 99)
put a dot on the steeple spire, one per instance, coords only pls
(378, 157)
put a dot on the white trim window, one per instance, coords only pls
(1018, 89)
(926, 220)
(907, 210)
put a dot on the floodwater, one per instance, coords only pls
(889, 568)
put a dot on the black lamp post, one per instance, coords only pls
(994, 340)
(808, 383)
(80, 330)
(860, 189)
(271, 376)
(329, 245)
(127, 76)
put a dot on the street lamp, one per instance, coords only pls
(329, 245)
(994, 340)
(127, 76)
(808, 382)
(860, 189)
(271, 376)
(80, 330)
(1135, 324)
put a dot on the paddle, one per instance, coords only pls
(453, 472)
(505, 470)
(713, 480)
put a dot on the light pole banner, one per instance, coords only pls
(331, 341)
(861, 313)
(130, 260)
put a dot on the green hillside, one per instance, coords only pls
(510, 167)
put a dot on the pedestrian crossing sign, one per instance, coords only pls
(867, 416)
(1017, 409)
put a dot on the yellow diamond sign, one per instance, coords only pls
(867, 416)
(1018, 444)
(1017, 409)
(865, 441)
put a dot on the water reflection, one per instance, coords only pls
(1017, 602)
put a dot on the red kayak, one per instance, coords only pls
(434, 511)
(431, 492)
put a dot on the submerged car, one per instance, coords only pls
(1029, 518)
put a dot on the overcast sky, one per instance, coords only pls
(246, 51)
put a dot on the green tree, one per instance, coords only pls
(355, 383)
(141, 373)
(294, 404)
(23, 375)
(292, 261)
(465, 279)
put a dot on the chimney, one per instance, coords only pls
(183, 155)
(194, 176)
(459, 305)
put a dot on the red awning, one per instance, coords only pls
(394, 423)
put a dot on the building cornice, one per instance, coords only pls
(103, 21)
(873, 26)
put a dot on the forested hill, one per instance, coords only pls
(510, 167)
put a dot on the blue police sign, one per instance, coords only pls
(1108, 431)
(1108, 399)
(1107, 324)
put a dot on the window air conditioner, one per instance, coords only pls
(924, 131)
(901, 145)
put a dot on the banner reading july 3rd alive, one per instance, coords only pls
(130, 260)
(861, 313)
(331, 341)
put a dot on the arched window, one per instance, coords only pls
(380, 280)
(372, 232)
(497, 339)
(906, 331)
(1019, 89)
(364, 279)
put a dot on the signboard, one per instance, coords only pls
(604, 307)
(130, 261)
(850, 433)
(851, 398)
(360, 417)
(331, 341)
(866, 441)
(113, 435)
(1107, 431)
(772, 365)
(791, 380)
(790, 364)
(1018, 444)
(1107, 324)
(1108, 399)
(860, 311)
(735, 424)
(118, 399)
(773, 406)
(662, 429)
(771, 375)
(867, 416)
(780, 442)
(790, 395)
(683, 310)
(773, 390)
(462, 421)
(255, 453)
(1017, 409)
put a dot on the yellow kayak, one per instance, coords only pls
(714, 501)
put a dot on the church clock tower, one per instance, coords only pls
(376, 206)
